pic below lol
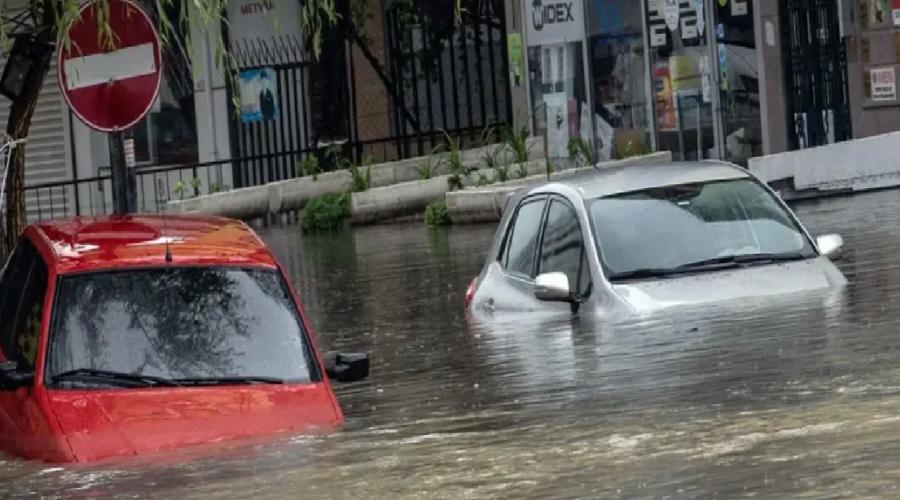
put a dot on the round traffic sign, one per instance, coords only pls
(111, 85)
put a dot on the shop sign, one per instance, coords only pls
(739, 8)
(255, 22)
(895, 11)
(884, 84)
(554, 21)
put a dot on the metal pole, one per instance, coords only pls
(122, 176)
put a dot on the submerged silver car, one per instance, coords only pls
(639, 239)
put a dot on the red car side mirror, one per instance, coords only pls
(12, 378)
(348, 367)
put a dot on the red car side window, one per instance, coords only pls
(12, 288)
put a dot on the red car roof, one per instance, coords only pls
(86, 244)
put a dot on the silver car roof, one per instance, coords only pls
(617, 180)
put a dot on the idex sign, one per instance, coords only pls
(551, 14)
(554, 21)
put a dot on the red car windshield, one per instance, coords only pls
(177, 323)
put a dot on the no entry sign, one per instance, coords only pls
(111, 86)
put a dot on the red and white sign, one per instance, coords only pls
(111, 88)
(884, 84)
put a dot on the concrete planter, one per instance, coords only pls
(292, 194)
(411, 198)
(486, 204)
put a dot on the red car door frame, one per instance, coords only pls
(25, 428)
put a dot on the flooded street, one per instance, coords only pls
(794, 398)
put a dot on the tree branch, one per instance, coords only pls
(388, 85)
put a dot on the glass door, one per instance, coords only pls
(738, 81)
(681, 73)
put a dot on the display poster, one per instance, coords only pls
(557, 125)
(656, 23)
(672, 13)
(884, 84)
(259, 99)
(516, 57)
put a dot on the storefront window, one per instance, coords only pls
(703, 65)
(554, 35)
(739, 80)
(619, 78)
(680, 71)
(558, 95)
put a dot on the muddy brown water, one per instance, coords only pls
(791, 398)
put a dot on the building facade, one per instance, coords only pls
(391, 78)
(724, 79)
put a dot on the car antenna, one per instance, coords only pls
(164, 199)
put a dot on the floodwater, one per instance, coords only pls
(794, 398)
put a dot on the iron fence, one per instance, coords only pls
(436, 77)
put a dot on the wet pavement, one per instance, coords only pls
(790, 398)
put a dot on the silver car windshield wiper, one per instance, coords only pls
(229, 381)
(643, 274)
(725, 262)
(114, 376)
(753, 258)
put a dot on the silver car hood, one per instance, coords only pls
(719, 286)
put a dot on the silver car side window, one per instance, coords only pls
(518, 255)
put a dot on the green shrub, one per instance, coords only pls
(523, 170)
(179, 189)
(436, 213)
(459, 172)
(432, 163)
(581, 152)
(517, 142)
(361, 175)
(196, 184)
(309, 166)
(629, 149)
(325, 213)
(335, 156)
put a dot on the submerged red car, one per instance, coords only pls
(131, 335)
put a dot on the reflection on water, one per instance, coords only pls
(785, 398)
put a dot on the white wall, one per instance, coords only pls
(857, 165)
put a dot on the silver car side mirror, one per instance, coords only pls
(552, 287)
(831, 246)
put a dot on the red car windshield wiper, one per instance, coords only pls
(228, 381)
(133, 379)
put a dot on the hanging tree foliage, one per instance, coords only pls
(45, 22)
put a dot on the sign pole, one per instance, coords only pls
(118, 173)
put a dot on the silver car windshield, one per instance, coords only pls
(675, 227)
